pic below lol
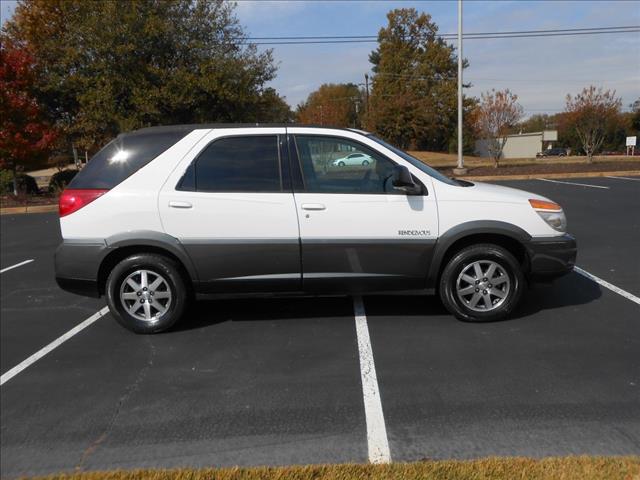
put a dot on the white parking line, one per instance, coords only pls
(378, 444)
(604, 283)
(572, 183)
(626, 178)
(53, 345)
(16, 265)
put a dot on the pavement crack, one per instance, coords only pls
(128, 392)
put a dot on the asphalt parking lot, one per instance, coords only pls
(279, 381)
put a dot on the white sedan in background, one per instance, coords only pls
(353, 159)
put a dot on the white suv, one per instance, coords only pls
(163, 213)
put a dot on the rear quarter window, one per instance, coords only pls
(122, 157)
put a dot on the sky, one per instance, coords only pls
(541, 71)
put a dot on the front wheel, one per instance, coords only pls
(482, 283)
(341, 164)
(146, 293)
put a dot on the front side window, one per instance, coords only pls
(236, 164)
(327, 168)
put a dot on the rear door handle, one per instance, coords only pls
(173, 204)
(313, 206)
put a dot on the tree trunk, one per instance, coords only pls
(495, 162)
(589, 152)
(15, 179)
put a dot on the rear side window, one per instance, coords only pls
(236, 164)
(124, 156)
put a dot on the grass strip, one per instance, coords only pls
(553, 468)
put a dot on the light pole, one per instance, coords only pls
(460, 170)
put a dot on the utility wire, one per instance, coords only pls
(300, 40)
(452, 35)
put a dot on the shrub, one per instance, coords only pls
(26, 183)
(6, 182)
(60, 180)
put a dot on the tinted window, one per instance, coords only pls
(326, 167)
(124, 156)
(239, 164)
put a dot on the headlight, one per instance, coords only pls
(551, 213)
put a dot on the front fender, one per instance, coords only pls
(477, 227)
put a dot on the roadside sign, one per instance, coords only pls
(631, 141)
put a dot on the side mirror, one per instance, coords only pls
(402, 180)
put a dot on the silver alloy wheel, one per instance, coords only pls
(483, 286)
(146, 295)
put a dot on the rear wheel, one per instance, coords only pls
(482, 283)
(146, 293)
(365, 163)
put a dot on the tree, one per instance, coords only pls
(591, 113)
(332, 104)
(494, 117)
(413, 101)
(635, 116)
(26, 137)
(106, 67)
(536, 123)
(272, 108)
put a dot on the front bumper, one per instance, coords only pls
(550, 258)
(77, 264)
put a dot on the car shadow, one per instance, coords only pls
(207, 312)
(571, 290)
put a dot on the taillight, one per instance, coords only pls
(73, 200)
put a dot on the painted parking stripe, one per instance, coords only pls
(52, 346)
(626, 178)
(604, 283)
(572, 183)
(377, 442)
(16, 265)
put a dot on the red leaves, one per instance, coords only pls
(25, 135)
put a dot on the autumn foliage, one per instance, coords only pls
(494, 117)
(590, 113)
(26, 136)
(338, 105)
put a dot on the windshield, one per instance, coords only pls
(415, 162)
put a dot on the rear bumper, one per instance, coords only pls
(550, 258)
(77, 264)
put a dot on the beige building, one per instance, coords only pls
(521, 145)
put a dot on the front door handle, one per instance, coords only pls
(174, 204)
(313, 206)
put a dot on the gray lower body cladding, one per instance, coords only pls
(310, 266)
(550, 258)
(77, 264)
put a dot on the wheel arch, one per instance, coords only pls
(506, 235)
(131, 243)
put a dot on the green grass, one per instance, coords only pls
(560, 468)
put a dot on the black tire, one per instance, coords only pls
(341, 164)
(466, 258)
(365, 163)
(173, 282)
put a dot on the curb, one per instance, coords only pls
(29, 209)
(533, 176)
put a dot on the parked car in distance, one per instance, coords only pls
(353, 159)
(553, 152)
(164, 214)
